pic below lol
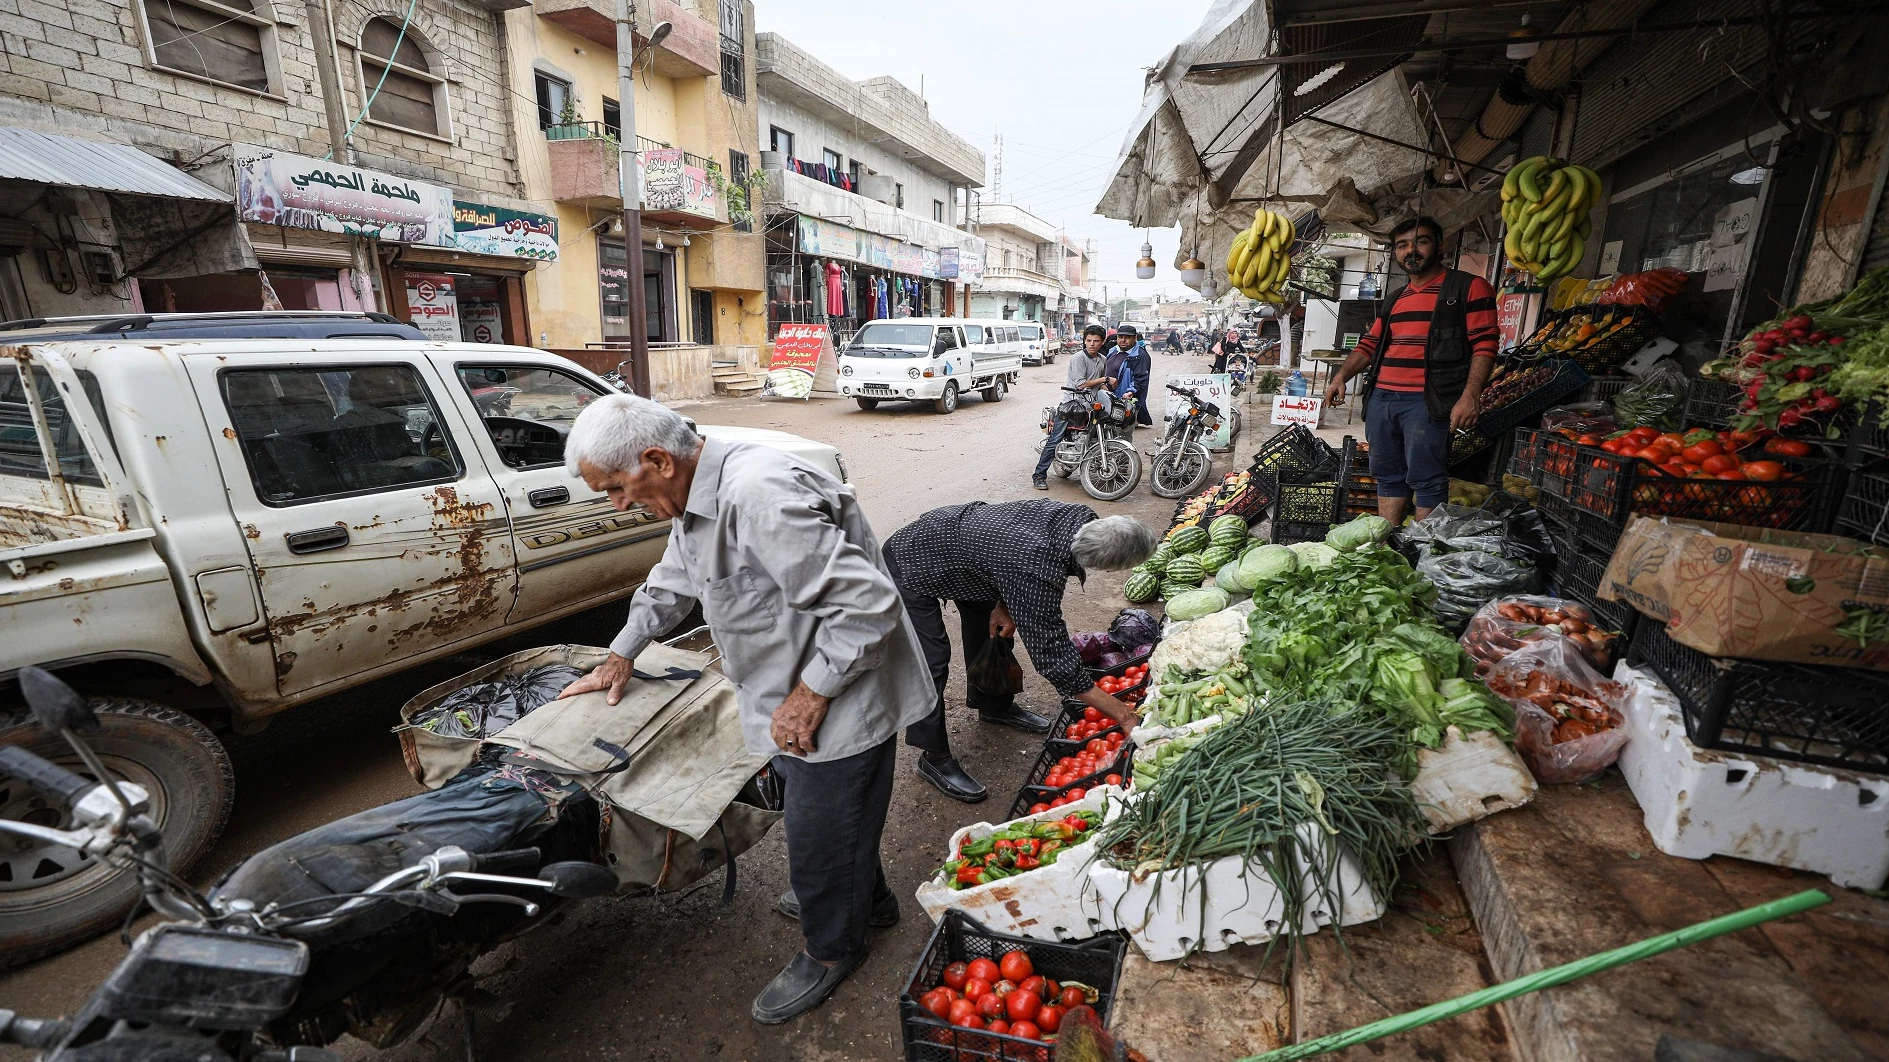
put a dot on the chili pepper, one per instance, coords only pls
(969, 874)
(1028, 862)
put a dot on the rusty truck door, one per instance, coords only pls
(377, 533)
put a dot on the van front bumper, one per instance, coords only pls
(894, 390)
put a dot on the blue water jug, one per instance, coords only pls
(1295, 384)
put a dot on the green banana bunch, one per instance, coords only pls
(1545, 204)
(1260, 257)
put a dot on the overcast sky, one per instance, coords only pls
(1060, 79)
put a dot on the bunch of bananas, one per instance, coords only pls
(1544, 206)
(1258, 262)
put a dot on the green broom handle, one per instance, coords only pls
(1557, 975)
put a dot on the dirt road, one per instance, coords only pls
(671, 978)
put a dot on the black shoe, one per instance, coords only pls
(1019, 718)
(799, 988)
(1040, 482)
(883, 916)
(951, 779)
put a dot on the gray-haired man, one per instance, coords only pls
(811, 630)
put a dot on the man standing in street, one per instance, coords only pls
(811, 631)
(1086, 370)
(1138, 364)
(1428, 356)
(1005, 566)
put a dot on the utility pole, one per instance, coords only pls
(630, 180)
(321, 31)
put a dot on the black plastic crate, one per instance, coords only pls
(1578, 578)
(1711, 403)
(1032, 793)
(1577, 530)
(1613, 487)
(1864, 513)
(1560, 378)
(1071, 713)
(1295, 450)
(1096, 962)
(1118, 669)
(1835, 716)
(1527, 452)
(1869, 440)
(1604, 388)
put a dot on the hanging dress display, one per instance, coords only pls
(835, 291)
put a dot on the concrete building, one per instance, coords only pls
(862, 198)
(130, 128)
(1033, 272)
(696, 141)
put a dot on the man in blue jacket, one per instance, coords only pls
(1132, 354)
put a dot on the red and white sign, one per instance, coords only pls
(480, 322)
(1511, 316)
(433, 305)
(1292, 409)
(797, 352)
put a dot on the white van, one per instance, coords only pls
(927, 359)
(1033, 343)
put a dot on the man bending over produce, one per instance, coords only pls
(1429, 355)
(1005, 566)
(810, 627)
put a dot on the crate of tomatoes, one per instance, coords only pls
(1734, 477)
(982, 996)
(1028, 876)
(1068, 768)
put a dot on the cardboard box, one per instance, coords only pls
(1751, 592)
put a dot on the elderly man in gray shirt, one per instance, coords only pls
(811, 631)
(1086, 372)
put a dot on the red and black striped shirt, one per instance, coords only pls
(1402, 368)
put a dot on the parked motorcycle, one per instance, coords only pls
(362, 926)
(1183, 463)
(1096, 443)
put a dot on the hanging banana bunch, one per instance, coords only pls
(1544, 211)
(1259, 260)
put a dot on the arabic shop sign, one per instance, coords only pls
(277, 188)
(494, 230)
(671, 184)
(948, 263)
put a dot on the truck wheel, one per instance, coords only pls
(867, 403)
(947, 402)
(52, 897)
(995, 392)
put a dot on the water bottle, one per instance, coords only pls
(1295, 384)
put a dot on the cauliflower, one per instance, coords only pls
(1203, 645)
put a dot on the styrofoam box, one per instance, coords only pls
(1469, 778)
(1242, 904)
(1700, 802)
(1050, 903)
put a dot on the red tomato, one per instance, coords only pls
(990, 1005)
(1023, 1006)
(1059, 802)
(1035, 984)
(983, 970)
(1113, 779)
(1050, 1018)
(976, 988)
(969, 1021)
(1789, 447)
(1073, 997)
(1075, 794)
(1673, 440)
(960, 1008)
(1699, 451)
(1090, 715)
(1114, 740)
(1614, 446)
(955, 975)
(998, 1026)
(1038, 808)
(1721, 463)
(1095, 746)
(1732, 474)
(1589, 440)
(1016, 965)
(1026, 1030)
(937, 1002)
(1763, 471)
(1644, 432)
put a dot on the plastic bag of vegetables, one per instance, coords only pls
(1507, 624)
(1568, 719)
(1658, 400)
(1466, 581)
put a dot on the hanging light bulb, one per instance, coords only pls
(659, 241)
(1144, 267)
(685, 239)
(1193, 272)
(1522, 42)
(1208, 291)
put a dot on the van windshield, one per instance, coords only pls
(889, 340)
(1030, 332)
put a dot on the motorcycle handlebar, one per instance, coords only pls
(47, 777)
(516, 858)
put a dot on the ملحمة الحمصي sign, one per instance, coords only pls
(493, 230)
(295, 191)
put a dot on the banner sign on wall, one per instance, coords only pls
(277, 188)
(797, 351)
(433, 305)
(948, 263)
(671, 183)
(483, 229)
(829, 239)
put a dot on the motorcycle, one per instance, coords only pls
(364, 925)
(1183, 463)
(1096, 443)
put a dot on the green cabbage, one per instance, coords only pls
(1267, 564)
(1361, 531)
(1195, 604)
(1314, 555)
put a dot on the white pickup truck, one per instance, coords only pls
(274, 521)
(929, 359)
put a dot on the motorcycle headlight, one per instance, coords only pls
(205, 978)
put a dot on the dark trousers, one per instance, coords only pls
(1143, 408)
(834, 814)
(928, 621)
(1058, 428)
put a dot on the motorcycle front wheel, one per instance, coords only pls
(1180, 470)
(1112, 471)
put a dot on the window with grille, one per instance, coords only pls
(733, 63)
(398, 81)
(231, 44)
(780, 140)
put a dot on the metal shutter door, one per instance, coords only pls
(1876, 251)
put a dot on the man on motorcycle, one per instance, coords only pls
(1086, 370)
(797, 595)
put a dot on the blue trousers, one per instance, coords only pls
(1410, 451)
(1057, 429)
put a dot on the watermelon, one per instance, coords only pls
(1213, 557)
(1228, 531)
(1170, 591)
(1197, 603)
(1186, 569)
(1140, 587)
(1158, 560)
(1189, 540)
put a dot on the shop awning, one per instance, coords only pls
(29, 155)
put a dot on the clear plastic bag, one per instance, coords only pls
(1657, 401)
(1569, 721)
(485, 708)
(1465, 581)
(1504, 625)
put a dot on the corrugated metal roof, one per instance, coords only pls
(27, 155)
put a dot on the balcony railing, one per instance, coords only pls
(575, 131)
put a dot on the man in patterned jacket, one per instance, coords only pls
(1005, 566)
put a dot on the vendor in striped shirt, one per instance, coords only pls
(1428, 378)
